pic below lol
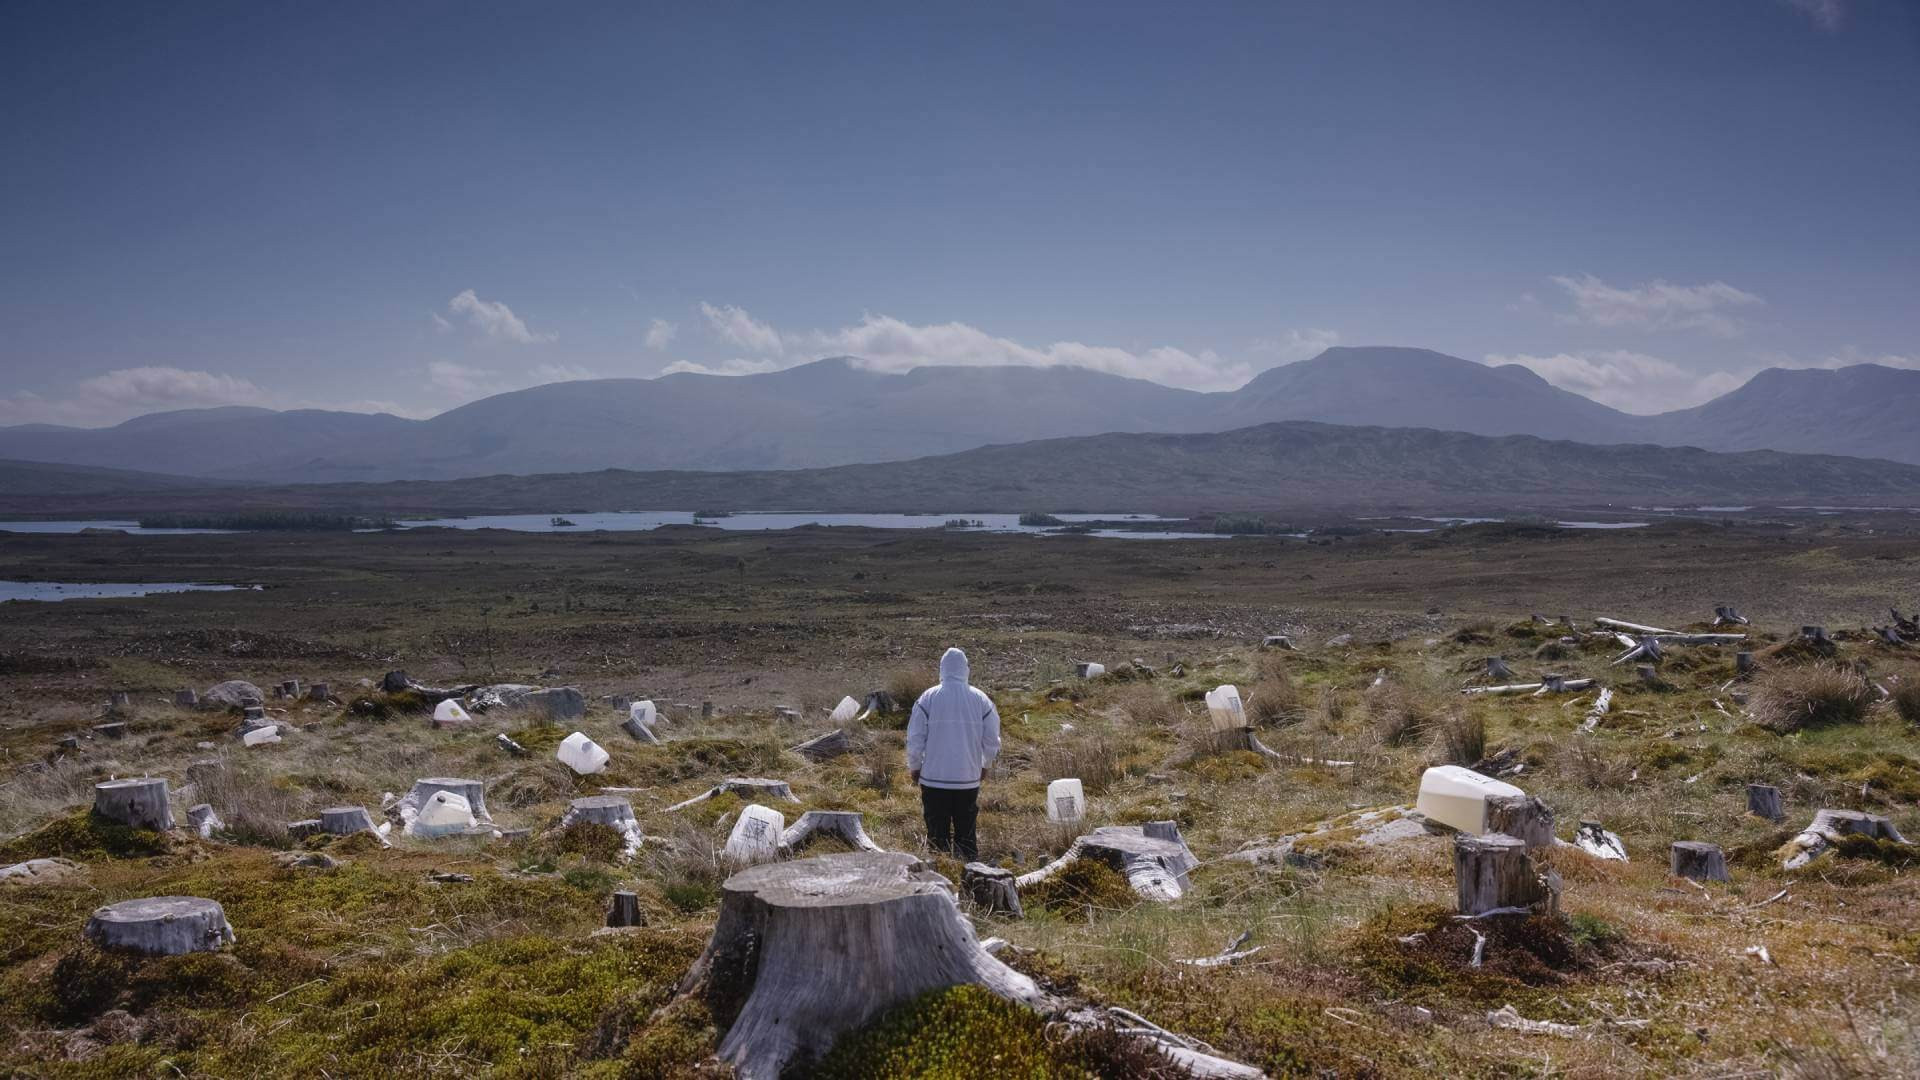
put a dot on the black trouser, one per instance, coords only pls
(950, 814)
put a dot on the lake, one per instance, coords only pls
(102, 590)
(79, 526)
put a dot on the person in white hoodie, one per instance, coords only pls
(953, 734)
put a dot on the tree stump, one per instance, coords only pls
(1828, 826)
(753, 788)
(706, 710)
(300, 830)
(69, 742)
(625, 910)
(991, 889)
(1763, 800)
(1816, 634)
(474, 791)
(1699, 861)
(1553, 684)
(186, 699)
(845, 824)
(1648, 674)
(161, 926)
(120, 701)
(633, 726)
(503, 742)
(1156, 866)
(290, 689)
(805, 951)
(1743, 663)
(1497, 668)
(1277, 641)
(319, 692)
(1728, 615)
(826, 747)
(204, 820)
(1596, 841)
(1495, 873)
(140, 802)
(610, 810)
(345, 820)
(1521, 816)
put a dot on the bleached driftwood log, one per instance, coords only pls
(991, 889)
(1698, 860)
(1191, 1056)
(345, 820)
(503, 742)
(1646, 648)
(1763, 800)
(1550, 684)
(1674, 636)
(139, 802)
(1278, 641)
(1523, 817)
(1728, 615)
(747, 787)
(1245, 739)
(845, 824)
(814, 948)
(1596, 841)
(825, 747)
(1493, 874)
(625, 910)
(1153, 857)
(1598, 709)
(161, 926)
(1826, 829)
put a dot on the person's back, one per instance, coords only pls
(953, 734)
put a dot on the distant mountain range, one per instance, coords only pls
(1295, 465)
(834, 412)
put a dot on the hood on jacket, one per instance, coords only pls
(953, 666)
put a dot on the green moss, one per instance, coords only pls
(1423, 954)
(1082, 884)
(592, 840)
(965, 1031)
(1228, 767)
(86, 982)
(1876, 849)
(83, 835)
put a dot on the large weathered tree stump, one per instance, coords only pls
(1828, 826)
(140, 802)
(747, 787)
(806, 951)
(1698, 860)
(610, 810)
(1521, 816)
(1494, 873)
(345, 820)
(1763, 800)
(826, 747)
(845, 824)
(1155, 865)
(161, 926)
(625, 910)
(991, 889)
(474, 791)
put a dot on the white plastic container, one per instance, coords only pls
(1456, 796)
(756, 836)
(449, 713)
(260, 736)
(845, 711)
(1090, 670)
(1225, 708)
(444, 812)
(581, 754)
(1066, 802)
(645, 713)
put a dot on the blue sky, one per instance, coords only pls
(405, 206)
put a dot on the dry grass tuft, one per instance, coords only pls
(1787, 699)
(1462, 739)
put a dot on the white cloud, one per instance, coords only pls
(660, 334)
(1848, 357)
(1630, 381)
(1657, 305)
(735, 327)
(736, 366)
(128, 392)
(494, 319)
(1826, 14)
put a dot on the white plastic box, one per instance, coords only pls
(1225, 709)
(449, 712)
(581, 754)
(756, 836)
(1456, 796)
(846, 710)
(1066, 802)
(644, 713)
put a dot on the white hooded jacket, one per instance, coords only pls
(954, 731)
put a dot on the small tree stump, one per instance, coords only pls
(474, 791)
(1699, 861)
(1728, 615)
(1553, 684)
(186, 699)
(1763, 800)
(1523, 817)
(161, 926)
(706, 710)
(1648, 674)
(345, 820)
(1497, 668)
(640, 731)
(1816, 635)
(290, 689)
(610, 810)
(991, 889)
(204, 820)
(805, 951)
(1743, 663)
(319, 692)
(625, 910)
(140, 803)
(845, 824)
(69, 742)
(300, 830)
(825, 747)
(1495, 873)
(120, 701)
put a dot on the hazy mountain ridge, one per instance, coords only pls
(833, 412)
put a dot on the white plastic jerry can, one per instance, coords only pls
(260, 736)
(1066, 802)
(643, 713)
(1225, 709)
(846, 710)
(450, 712)
(581, 754)
(1456, 796)
(444, 812)
(1090, 670)
(756, 836)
